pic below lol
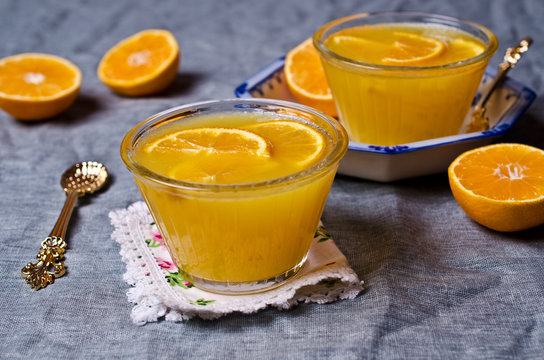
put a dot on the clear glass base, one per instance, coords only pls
(245, 288)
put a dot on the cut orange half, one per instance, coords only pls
(37, 86)
(306, 79)
(142, 64)
(500, 186)
(299, 143)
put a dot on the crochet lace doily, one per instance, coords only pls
(161, 292)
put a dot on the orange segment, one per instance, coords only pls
(306, 79)
(37, 86)
(413, 49)
(299, 143)
(500, 186)
(142, 64)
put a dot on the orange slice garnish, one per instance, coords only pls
(413, 49)
(297, 142)
(212, 140)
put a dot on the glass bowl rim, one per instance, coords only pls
(340, 145)
(324, 51)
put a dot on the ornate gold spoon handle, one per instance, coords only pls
(511, 58)
(51, 253)
(479, 121)
(81, 178)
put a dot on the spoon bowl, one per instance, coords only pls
(85, 178)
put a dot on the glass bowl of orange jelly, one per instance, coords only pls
(236, 187)
(403, 77)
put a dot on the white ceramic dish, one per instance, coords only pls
(390, 163)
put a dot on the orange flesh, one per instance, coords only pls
(136, 59)
(503, 174)
(35, 78)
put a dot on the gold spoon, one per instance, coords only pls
(479, 121)
(78, 180)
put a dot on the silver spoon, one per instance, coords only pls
(479, 121)
(78, 180)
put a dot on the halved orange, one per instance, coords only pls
(306, 79)
(500, 186)
(37, 86)
(296, 142)
(142, 64)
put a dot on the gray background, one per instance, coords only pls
(438, 284)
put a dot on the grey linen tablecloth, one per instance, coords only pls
(437, 284)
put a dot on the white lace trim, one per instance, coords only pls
(325, 277)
